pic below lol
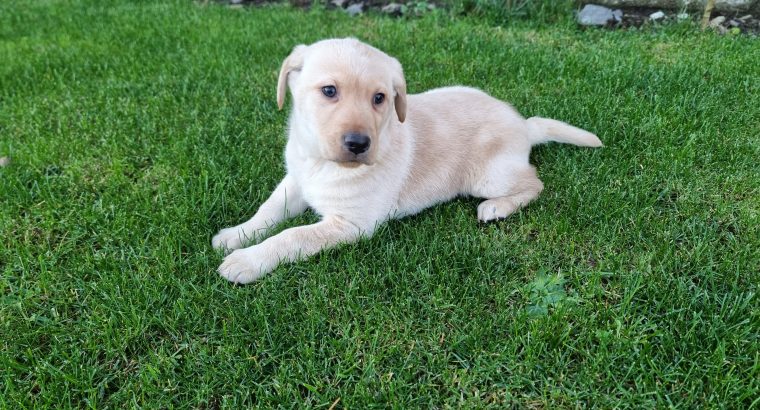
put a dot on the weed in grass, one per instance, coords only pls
(546, 291)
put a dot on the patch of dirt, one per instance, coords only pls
(747, 24)
(632, 17)
(723, 24)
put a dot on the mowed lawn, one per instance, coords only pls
(137, 130)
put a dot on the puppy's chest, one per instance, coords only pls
(327, 191)
(352, 193)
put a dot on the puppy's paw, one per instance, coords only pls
(228, 239)
(247, 265)
(497, 208)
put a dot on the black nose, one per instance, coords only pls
(355, 142)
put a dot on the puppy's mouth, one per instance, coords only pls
(349, 159)
(349, 164)
(353, 161)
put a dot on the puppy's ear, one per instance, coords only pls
(293, 62)
(399, 88)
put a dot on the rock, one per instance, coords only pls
(393, 9)
(593, 15)
(236, 1)
(733, 23)
(355, 9)
(5, 161)
(717, 21)
(696, 5)
(682, 16)
(659, 15)
(338, 3)
(745, 18)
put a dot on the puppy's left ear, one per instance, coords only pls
(293, 62)
(399, 88)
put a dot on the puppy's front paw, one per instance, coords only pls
(228, 239)
(246, 265)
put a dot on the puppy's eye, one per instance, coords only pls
(329, 91)
(379, 98)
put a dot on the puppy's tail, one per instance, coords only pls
(544, 130)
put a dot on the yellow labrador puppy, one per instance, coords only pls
(361, 151)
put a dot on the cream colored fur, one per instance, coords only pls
(425, 149)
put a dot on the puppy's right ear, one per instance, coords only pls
(293, 62)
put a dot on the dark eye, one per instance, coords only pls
(329, 91)
(379, 98)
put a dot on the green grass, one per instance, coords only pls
(137, 130)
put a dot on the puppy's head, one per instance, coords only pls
(345, 93)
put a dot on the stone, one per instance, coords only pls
(393, 9)
(594, 15)
(717, 21)
(5, 161)
(355, 9)
(339, 3)
(658, 15)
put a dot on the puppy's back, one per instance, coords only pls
(455, 132)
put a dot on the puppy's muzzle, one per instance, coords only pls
(356, 143)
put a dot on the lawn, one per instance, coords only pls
(136, 130)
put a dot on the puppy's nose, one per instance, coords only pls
(355, 142)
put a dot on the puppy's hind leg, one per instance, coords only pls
(523, 187)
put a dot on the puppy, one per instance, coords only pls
(361, 151)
